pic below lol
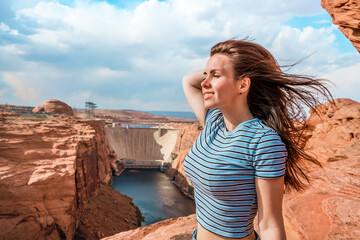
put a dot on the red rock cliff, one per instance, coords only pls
(345, 14)
(186, 137)
(328, 209)
(51, 166)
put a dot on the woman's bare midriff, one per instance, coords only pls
(203, 234)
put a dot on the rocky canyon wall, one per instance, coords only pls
(52, 169)
(329, 207)
(345, 14)
(185, 139)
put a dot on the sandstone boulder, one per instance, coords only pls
(335, 131)
(345, 14)
(170, 229)
(54, 106)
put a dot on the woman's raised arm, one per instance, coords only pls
(193, 93)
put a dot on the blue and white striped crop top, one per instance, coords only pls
(223, 165)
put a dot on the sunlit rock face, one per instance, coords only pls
(185, 139)
(345, 14)
(329, 208)
(50, 166)
(54, 106)
(336, 131)
(170, 229)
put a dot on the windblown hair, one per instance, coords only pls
(277, 98)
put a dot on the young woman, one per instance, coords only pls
(250, 147)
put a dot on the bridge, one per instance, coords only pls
(141, 148)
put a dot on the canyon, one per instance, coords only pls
(54, 178)
(56, 169)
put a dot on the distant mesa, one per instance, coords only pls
(54, 106)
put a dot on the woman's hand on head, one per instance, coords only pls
(193, 93)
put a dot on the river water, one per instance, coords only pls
(155, 195)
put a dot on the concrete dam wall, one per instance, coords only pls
(146, 145)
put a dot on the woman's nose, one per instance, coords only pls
(205, 83)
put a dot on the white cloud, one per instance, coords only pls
(79, 98)
(322, 58)
(347, 81)
(4, 27)
(300, 43)
(322, 21)
(46, 13)
(22, 89)
(135, 58)
(108, 73)
(2, 91)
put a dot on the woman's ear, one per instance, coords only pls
(243, 85)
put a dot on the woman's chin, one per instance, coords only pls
(209, 105)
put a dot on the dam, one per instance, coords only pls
(143, 151)
(142, 147)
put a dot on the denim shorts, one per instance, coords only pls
(194, 235)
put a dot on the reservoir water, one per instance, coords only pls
(155, 195)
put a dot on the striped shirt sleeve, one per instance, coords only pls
(270, 156)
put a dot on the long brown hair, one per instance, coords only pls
(277, 98)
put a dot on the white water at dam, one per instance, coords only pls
(150, 146)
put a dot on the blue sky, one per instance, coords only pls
(132, 54)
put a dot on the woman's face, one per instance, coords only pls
(219, 87)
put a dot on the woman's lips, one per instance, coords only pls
(207, 95)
